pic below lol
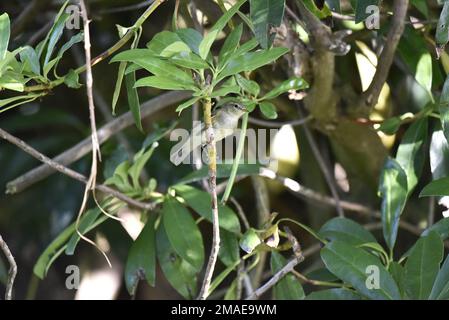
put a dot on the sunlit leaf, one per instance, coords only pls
(141, 262)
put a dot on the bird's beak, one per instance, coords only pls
(245, 110)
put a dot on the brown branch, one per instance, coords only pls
(289, 267)
(104, 133)
(370, 97)
(12, 268)
(71, 173)
(212, 155)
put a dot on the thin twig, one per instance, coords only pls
(212, 155)
(240, 212)
(274, 124)
(370, 97)
(96, 155)
(12, 268)
(323, 166)
(289, 267)
(104, 133)
(71, 173)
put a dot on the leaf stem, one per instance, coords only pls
(236, 163)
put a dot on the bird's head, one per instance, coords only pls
(235, 109)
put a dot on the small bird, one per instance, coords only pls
(224, 121)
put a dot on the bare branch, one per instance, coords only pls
(12, 268)
(69, 172)
(289, 267)
(370, 97)
(104, 133)
(212, 155)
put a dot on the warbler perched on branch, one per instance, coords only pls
(225, 121)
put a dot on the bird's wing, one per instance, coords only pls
(196, 139)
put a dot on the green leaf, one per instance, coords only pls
(191, 37)
(209, 39)
(162, 83)
(250, 240)
(393, 190)
(140, 159)
(72, 79)
(249, 86)
(12, 81)
(442, 31)
(89, 217)
(268, 110)
(230, 45)
(187, 104)
(422, 266)
(30, 60)
(244, 48)
(441, 227)
(251, 61)
(183, 233)
(4, 34)
(398, 273)
(289, 288)
(157, 66)
(58, 245)
(424, 72)
(439, 155)
(440, 289)
(55, 34)
(53, 250)
(333, 294)
(322, 274)
(223, 91)
(200, 201)
(421, 6)
(181, 275)
(141, 262)
(167, 44)
(133, 99)
(410, 155)
(294, 83)
(351, 265)
(346, 230)
(265, 15)
(319, 13)
(229, 248)
(444, 105)
(223, 171)
(118, 84)
(390, 125)
(189, 60)
(54, 62)
(361, 9)
(438, 187)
